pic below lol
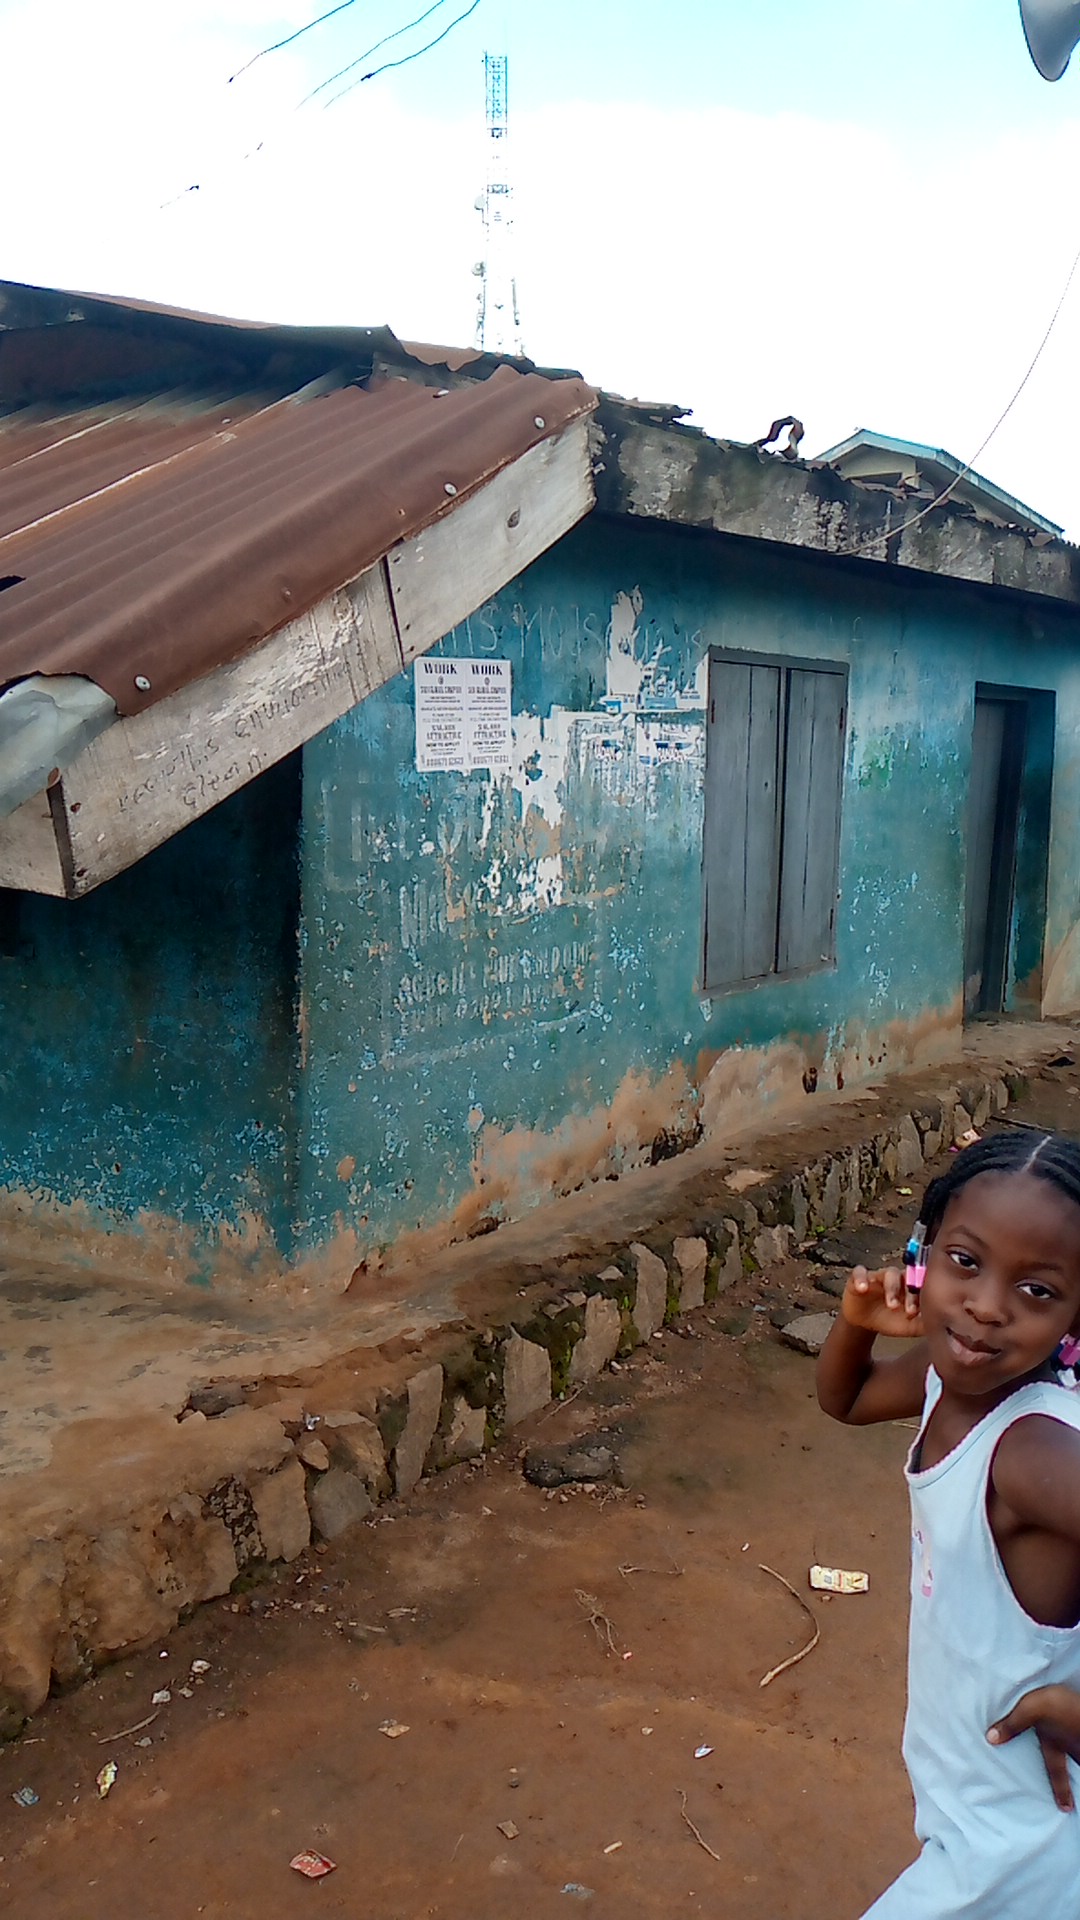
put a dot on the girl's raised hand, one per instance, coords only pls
(880, 1302)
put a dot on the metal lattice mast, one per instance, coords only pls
(498, 326)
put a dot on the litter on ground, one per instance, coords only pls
(836, 1580)
(312, 1865)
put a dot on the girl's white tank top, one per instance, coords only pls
(995, 1845)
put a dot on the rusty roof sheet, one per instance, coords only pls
(160, 537)
(52, 456)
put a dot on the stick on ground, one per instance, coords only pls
(106, 1739)
(697, 1836)
(794, 1658)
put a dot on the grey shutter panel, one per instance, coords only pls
(810, 845)
(742, 822)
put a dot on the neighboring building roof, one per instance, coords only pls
(151, 536)
(880, 459)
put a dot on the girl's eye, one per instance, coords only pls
(1036, 1290)
(962, 1259)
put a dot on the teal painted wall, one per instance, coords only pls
(489, 962)
(497, 994)
(149, 1030)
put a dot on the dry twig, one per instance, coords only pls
(106, 1739)
(603, 1628)
(793, 1659)
(697, 1836)
(557, 1406)
(674, 1570)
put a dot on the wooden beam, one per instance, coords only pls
(29, 856)
(144, 779)
(151, 774)
(440, 576)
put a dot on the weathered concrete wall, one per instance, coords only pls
(106, 1547)
(499, 991)
(501, 975)
(150, 1048)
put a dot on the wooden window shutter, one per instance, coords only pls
(810, 833)
(742, 822)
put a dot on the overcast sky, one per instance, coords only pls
(859, 211)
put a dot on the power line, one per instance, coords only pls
(946, 493)
(361, 57)
(290, 37)
(388, 65)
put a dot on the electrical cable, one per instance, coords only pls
(290, 37)
(851, 553)
(388, 65)
(196, 185)
(361, 57)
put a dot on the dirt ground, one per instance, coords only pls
(494, 1667)
(459, 1617)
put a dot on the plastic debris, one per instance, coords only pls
(393, 1729)
(702, 1753)
(576, 1891)
(509, 1828)
(25, 1797)
(969, 1138)
(836, 1580)
(106, 1778)
(200, 1666)
(312, 1865)
(161, 1698)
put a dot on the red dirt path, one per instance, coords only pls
(728, 1464)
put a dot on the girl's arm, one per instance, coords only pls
(851, 1385)
(1036, 1475)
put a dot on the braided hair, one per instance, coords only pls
(1053, 1157)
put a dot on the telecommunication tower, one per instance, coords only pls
(498, 326)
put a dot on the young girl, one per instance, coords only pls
(992, 1737)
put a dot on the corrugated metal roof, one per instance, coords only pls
(159, 536)
(52, 456)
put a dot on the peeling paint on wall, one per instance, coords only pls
(552, 917)
(499, 973)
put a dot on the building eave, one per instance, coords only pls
(673, 473)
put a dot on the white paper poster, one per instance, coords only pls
(463, 719)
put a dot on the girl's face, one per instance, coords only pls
(1002, 1282)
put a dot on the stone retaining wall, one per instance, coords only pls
(257, 1484)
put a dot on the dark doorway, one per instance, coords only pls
(1007, 822)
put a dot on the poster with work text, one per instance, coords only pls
(463, 722)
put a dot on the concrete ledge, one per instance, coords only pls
(177, 1510)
